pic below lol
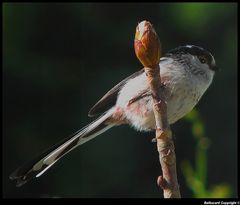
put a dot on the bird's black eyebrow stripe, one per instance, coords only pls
(193, 50)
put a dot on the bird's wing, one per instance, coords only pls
(109, 99)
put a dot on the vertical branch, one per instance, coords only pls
(147, 48)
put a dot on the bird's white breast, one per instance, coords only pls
(183, 91)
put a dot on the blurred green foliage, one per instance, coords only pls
(196, 177)
(60, 58)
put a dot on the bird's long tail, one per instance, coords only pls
(42, 163)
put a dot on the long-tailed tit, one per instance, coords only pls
(186, 73)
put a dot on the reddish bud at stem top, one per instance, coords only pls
(147, 44)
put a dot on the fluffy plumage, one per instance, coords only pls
(186, 73)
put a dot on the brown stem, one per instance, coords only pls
(148, 50)
(168, 181)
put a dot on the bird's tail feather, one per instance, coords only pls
(43, 162)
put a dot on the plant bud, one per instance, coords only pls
(147, 44)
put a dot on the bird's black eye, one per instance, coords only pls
(202, 59)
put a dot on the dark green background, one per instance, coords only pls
(59, 59)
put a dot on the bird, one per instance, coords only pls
(186, 73)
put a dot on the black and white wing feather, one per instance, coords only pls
(110, 98)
